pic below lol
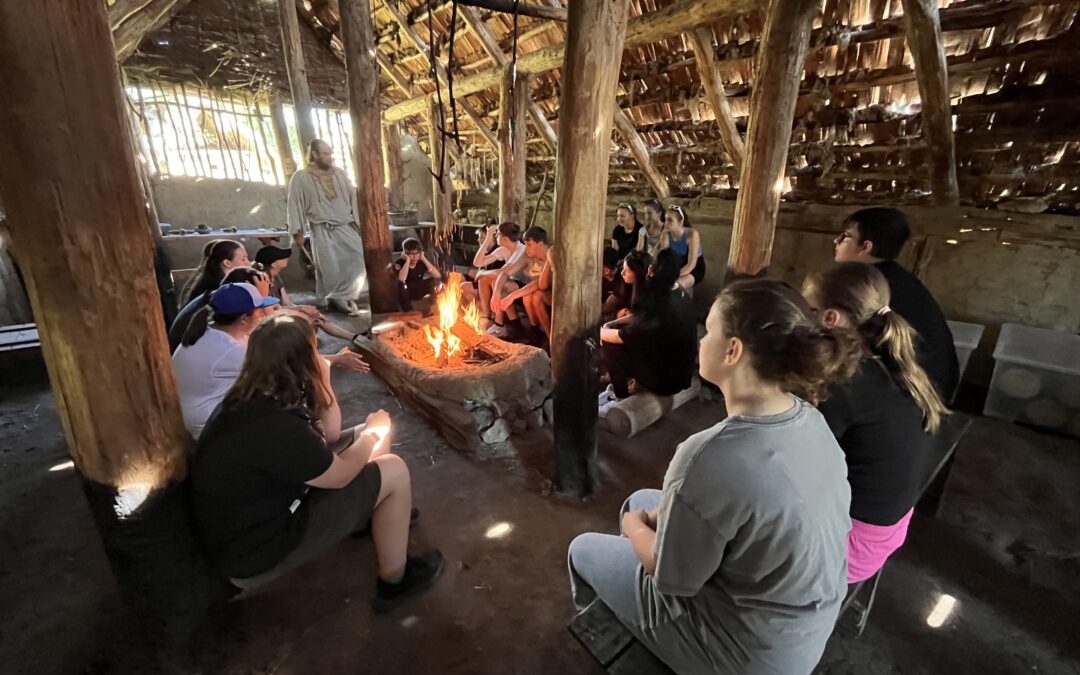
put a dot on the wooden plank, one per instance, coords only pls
(440, 189)
(590, 75)
(358, 34)
(512, 134)
(678, 17)
(297, 71)
(395, 185)
(931, 70)
(784, 43)
(640, 152)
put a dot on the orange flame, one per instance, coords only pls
(448, 306)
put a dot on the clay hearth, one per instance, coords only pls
(477, 398)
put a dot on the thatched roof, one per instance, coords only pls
(1013, 64)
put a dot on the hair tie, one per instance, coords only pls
(884, 310)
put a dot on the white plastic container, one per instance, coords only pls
(1036, 378)
(966, 338)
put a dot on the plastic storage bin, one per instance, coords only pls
(1036, 378)
(966, 337)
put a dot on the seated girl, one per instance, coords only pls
(627, 229)
(236, 275)
(273, 260)
(634, 277)
(209, 357)
(269, 495)
(611, 284)
(654, 346)
(738, 564)
(219, 256)
(680, 237)
(649, 236)
(882, 418)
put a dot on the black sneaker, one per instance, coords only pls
(421, 573)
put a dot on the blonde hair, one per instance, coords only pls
(862, 294)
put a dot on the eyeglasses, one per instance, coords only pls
(842, 236)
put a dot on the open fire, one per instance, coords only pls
(454, 325)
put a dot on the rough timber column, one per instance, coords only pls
(596, 30)
(363, 74)
(512, 132)
(281, 138)
(779, 68)
(73, 219)
(297, 70)
(924, 40)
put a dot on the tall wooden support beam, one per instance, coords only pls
(131, 21)
(550, 12)
(512, 149)
(491, 46)
(640, 151)
(297, 71)
(931, 70)
(678, 17)
(281, 137)
(780, 65)
(442, 76)
(395, 184)
(440, 189)
(358, 34)
(709, 71)
(596, 32)
(74, 220)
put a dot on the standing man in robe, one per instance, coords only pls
(322, 201)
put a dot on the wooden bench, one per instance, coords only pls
(616, 649)
(19, 337)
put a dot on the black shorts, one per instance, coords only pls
(699, 271)
(332, 515)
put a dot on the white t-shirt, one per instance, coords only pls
(204, 373)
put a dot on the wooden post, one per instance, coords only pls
(509, 7)
(363, 74)
(395, 184)
(512, 149)
(281, 138)
(297, 71)
(596, 30)
(640, 151)
(709, 71)
(780, 64)
(440, 191)
(931, 70)
(78, 228)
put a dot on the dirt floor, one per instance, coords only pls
(1005, 545)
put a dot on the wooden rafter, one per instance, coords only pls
(131, 21)
(443, 75)
(640, 151)
(491, 46)
(709, 72)
(548, 12)
(676, 18)
(932, 72)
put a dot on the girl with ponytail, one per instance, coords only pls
(882, 417)
(219, 256)
(738, 564)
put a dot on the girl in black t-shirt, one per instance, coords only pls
(882, 417)
(268, 492)
(625, 235)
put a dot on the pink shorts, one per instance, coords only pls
(869, 546)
